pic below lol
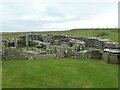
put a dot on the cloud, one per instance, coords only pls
(27, 15)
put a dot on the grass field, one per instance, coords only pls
(111, 34)
(60, 73)
(107, 33)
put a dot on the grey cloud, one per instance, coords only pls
(14, 11)
(82, 11)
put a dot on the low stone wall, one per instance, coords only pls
(12, 54)
(44, 56)
(111, 56)
(92, 54)
(82, 55)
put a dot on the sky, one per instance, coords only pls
(53, 15)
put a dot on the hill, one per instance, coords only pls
(103, 33)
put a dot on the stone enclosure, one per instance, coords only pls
(37, 46)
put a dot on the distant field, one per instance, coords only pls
(105, 33)
(60, 73)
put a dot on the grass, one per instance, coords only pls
(109, 34)
(59, 73)
(104, 33)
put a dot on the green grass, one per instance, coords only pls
(104, 33)
(109, 34)
(59, 73)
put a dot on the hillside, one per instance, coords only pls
(104, 33)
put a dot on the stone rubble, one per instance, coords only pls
(35, 46)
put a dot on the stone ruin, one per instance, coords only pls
(36, 46)
(111, 56)
(99, 43)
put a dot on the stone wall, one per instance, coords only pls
(44, 56)
(111, 56)
(12, 54)
(94, 54)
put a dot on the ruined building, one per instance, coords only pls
(36, 46)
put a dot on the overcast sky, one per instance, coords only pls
(47, 15)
